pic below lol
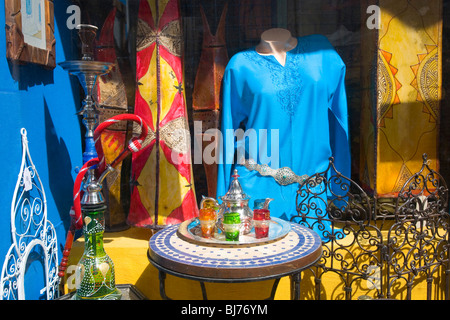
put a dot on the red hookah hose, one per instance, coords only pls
(76, 222)
(134, 145)
(75, 213)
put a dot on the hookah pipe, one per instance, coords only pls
(135, 143)
(103, 170)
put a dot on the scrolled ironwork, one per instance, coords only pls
(31, 232)
(330, 196)
(418, 240)
(391, 245)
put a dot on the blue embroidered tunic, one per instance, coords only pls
(297, 113)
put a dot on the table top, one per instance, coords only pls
(298, 250)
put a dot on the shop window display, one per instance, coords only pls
(394, 109)
(236, 26)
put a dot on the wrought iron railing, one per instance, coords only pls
(374, 248)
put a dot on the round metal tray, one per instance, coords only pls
(190, 231)
(77, 67)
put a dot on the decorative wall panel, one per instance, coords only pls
(400, 113)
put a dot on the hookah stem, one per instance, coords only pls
(76, 221)
(123, 154)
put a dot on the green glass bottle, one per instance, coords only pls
(95, 276)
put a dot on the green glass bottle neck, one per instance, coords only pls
(93, 229)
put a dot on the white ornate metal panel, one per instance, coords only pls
(31, 233)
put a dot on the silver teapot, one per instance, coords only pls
(235, 198)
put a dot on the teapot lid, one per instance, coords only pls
(235, 192)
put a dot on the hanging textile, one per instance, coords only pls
(401, 105)
(162, 181)
(206, 96)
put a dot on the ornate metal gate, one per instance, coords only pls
(378, 248)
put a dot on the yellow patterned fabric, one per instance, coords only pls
(406, 92)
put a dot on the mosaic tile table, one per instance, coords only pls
(287, 256)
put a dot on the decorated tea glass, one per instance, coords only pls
(232, 225)
(261, 217)
(207, 217)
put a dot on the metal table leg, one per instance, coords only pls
(202, 285)
(295, 285)
(162, 285)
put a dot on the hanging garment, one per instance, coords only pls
(206, 96)
(162, 181)
(294, 117)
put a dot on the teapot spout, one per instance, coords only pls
(266, 203)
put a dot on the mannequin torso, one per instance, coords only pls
(276, 42)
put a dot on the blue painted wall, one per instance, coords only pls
(44, 102)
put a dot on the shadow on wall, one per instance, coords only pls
(59, 168)
(30, 75)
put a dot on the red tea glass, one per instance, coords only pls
(261, 219)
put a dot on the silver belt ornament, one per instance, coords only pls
(284, 176)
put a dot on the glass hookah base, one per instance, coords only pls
(115, 295)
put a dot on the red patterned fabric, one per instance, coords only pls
(163, 190)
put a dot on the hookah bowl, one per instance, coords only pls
(87, 71)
